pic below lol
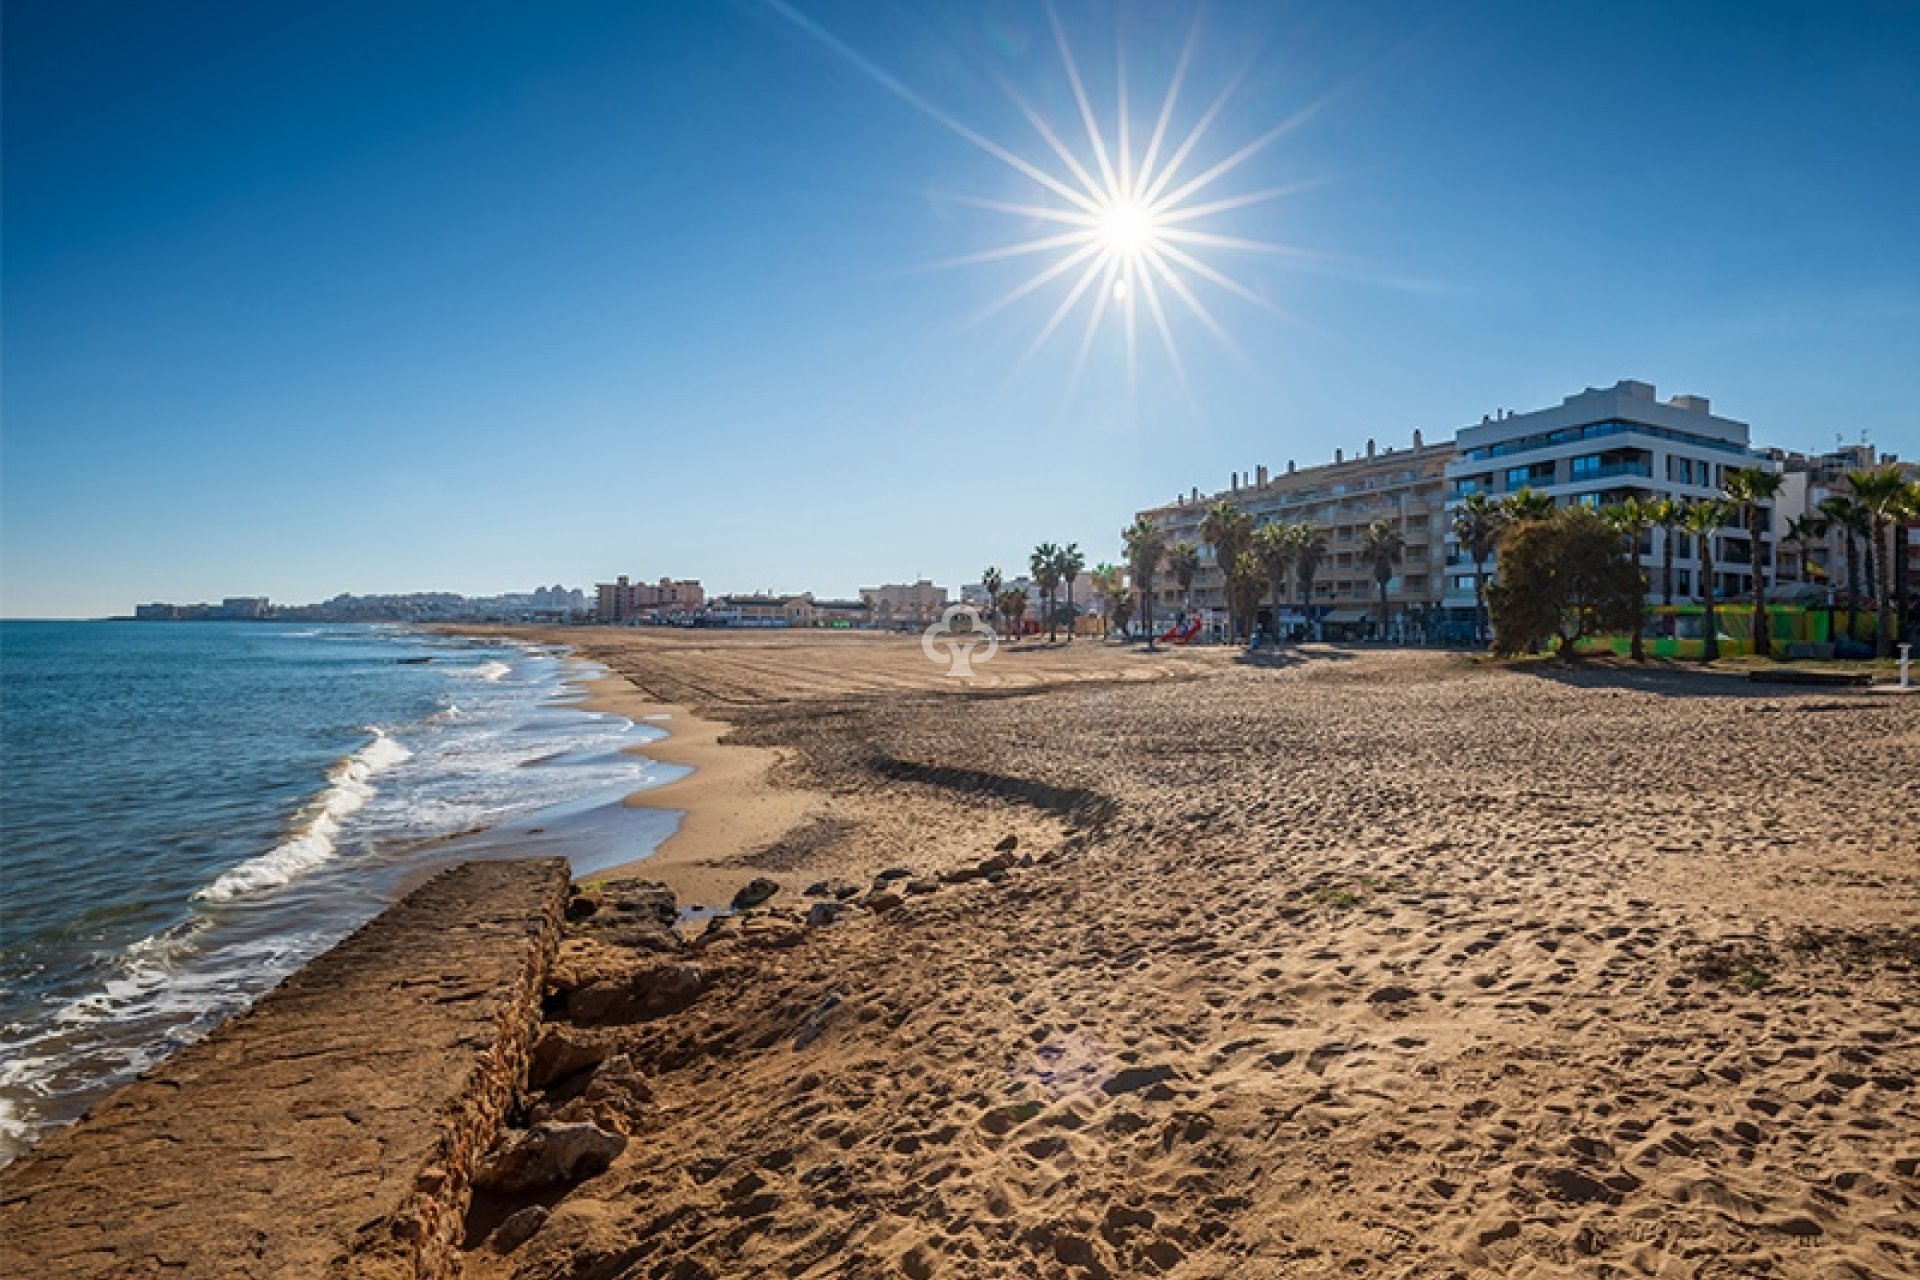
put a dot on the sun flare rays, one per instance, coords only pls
(1118, 225)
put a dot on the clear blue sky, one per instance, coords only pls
(301, 299)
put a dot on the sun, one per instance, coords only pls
(1127, 228)
(1123, 225)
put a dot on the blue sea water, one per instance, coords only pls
(190, 811)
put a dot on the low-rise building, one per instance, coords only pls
(905, 604)
(767, 610)
(624, 601)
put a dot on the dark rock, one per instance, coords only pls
(885, 901)
(893, 873)
(818, 889)
(960, 875)
(846, 892)
(922, 886)
(823, 913)
(1135, 1078)
(639, 914)
(754, 892)
(549, 1155)
(996, 877)
(1007, 844)
(998, 862)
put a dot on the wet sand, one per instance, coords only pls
(1335, 963)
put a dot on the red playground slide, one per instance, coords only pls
(1178, 634)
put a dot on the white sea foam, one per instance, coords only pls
(491, 671)
(349, 787)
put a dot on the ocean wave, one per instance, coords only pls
(491, 671)
(348, 789)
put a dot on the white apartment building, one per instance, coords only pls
(1601, 446)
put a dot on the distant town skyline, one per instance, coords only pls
(300, 302)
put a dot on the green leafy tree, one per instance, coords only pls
(1476, 524)
(1561, 578)
(1145, 545)
(1748, 491)
(1383, 546)
(1632, 518)
(1704, 519)
(1881, 493)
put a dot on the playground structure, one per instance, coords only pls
(1182, 633)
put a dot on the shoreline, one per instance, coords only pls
(728, 805)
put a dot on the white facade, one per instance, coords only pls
(1601, 446)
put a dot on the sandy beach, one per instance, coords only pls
(1185, 964)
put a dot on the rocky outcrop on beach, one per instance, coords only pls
(333, 1130)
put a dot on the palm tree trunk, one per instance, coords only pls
(1762, 631)
(1070, 627)
(1480, 600)
(1666, 566)
(1383, 612)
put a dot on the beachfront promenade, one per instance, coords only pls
(328, 1132)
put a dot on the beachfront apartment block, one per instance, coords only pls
(624, 601)
(901, 604)
(1604, 445)
(1403, 486)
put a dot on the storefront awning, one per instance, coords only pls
(1346, 615)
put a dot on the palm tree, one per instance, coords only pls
(990, 584)
(1881, 492)
(1229, 531)
(1477, 522)
(1145, 545)
(1273, 547)
(1906, 515)
(1704, 519)
(1805, 532)
(1109, 587)
(1244, 583)
(1382, 546)
(1632, 518)
(1012, 605)
(1527, 504)
(1309, 553)
(1044, 567)
(1748, 490)
(1071, 564)
(1183, 562)
(1854, 523)
(1669, 514)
